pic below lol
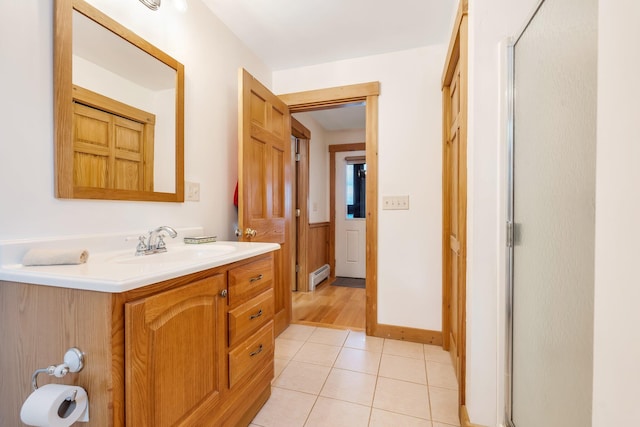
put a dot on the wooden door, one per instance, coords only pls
(300, 138)
(454, 201)
(453, 259)
(264, 183)
(174, 354)
(351, 227)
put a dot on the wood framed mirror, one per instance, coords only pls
(118, 111)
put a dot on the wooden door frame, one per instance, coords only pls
(457, 55)
(301, 188)
(335, 97)
(333, 149)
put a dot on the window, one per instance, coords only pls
(356, 187)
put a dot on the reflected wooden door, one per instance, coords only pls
(264, 183)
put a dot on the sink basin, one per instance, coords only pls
(176, 254)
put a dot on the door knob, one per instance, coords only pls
(250, 232)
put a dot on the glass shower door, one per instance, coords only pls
(553, 215)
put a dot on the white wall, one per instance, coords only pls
(211, 56)
(616, 371)
(318, 169)
(410, 163)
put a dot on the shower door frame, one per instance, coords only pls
(510, 225)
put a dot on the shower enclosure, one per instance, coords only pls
(551, 217)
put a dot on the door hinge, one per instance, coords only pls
(298, 212)
(510, 234)
(297, 268)
(297, 157)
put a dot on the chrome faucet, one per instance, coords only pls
(154, 241)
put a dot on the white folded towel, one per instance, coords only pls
(55, 256)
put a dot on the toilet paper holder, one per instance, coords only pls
(73, 362)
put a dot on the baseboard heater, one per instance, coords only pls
(318, 276)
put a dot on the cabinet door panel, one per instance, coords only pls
(173, 344)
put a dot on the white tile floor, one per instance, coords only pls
(332, 378)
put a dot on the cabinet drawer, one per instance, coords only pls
(250, 279)
(251, 355)
(250, 316)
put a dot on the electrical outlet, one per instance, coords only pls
(395, 203)
(192, 191)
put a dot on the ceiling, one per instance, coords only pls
(295, 33)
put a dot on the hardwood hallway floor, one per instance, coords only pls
(330, 306)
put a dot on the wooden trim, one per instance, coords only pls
(319, 224)
(464, 418)
(357, 146)
(318, 248)
(63, 100)
(368, 92)
(372, 214)
(355, 159)
(298, 130)
(330, 97)
(423, 336)
(104, 103)
(333, 149)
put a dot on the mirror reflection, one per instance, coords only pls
(119, 111)
(111, 67)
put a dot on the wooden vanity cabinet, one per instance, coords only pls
(192, 351)
(174, 341)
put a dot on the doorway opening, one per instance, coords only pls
(323, 99)
(331, 261)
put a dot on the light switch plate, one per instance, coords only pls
(192, 191)
(395, 202)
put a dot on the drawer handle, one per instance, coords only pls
(258, 351)
(255, 279)
(255, 316)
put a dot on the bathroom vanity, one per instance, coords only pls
(192, 349)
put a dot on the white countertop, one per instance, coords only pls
(119, 270)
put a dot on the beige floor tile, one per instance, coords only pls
(337, 413)
(403, 348)
(304, 377)
(403, 368)
(360, 340)
(436, 353)
(297, 332)
(357, 360)
(329, 336)
(402, 397)
(441, 375)
(444, 405)
(354, 387)
(286, 349)
(380, 418)
(319, 354)
(279, 365)
(442, 425)
(285, 408)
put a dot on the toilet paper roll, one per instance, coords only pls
(55, 405)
